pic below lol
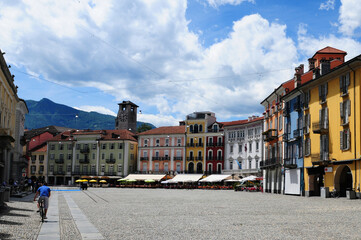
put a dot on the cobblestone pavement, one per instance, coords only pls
(19, 220)
(196, 214)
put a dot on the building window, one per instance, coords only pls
(300, 150)
(145, 142)
(230, 165)
(322, 92)
(145, 166)
(250, 164)
(52, 156)
(344, 83)
(240, 148)
(231, 149)
(94, 146)
(324, 147)
(120, 146)
(166, 167)
(157, 142)
(250, 147)
(156, 167)
(120, 168)
(167, 142)
(345, 111)
(52, 147)
(68, 168)
(61, 146)
(179, 141)
(345, 140)
(104, 146)
(51, 168)
(103, 155)
(61, 156)
(201, 128)
(77, 156)
(112, 146)
(178, 167)
(69, 146)
(241, 133)
(324, 118)
(257, 146)
(120, 156)
(179, 154)
(41, 158)
(33, 169)
(102, 168)
(77, 146)
(93, 156)
(131, 146)
(215, 128)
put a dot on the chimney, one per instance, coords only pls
(298, 73)
(311, 64)
(249, 119)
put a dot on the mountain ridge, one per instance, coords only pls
(46, 112)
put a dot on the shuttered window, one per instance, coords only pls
(344, 83)
(322, 91)
(345, 111)
(345, 140)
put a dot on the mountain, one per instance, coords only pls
(46, 113)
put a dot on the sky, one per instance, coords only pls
(170, 57)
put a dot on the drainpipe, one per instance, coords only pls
(354, 118)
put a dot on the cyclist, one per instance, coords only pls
(44, 192)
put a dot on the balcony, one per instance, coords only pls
(190, 158)
(178, 158)
(199, 158)
(289, 163)
(156, 158)
(84, 173)
(84, 160)
(199, 144)
(84, 150)
(320, 128)
(210, 158)
(110, 160)
(59, 160)
(59, 172)
(270, 163)
(270, 135)
(110, 173)
(190, 144)
(297, 133)
(144, 158)
(320, 159)
(285, 137)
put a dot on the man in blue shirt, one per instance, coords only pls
(44, 192)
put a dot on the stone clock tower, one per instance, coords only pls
(127, 116)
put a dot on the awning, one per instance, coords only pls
(142, 177)
(186, 178)
(216, 178)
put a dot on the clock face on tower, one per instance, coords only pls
(123, 117)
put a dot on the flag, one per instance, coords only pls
(239, 164)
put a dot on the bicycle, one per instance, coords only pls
(42, 209)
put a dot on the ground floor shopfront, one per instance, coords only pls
(273, 180)
(340, 176)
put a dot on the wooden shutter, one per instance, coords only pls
(341, 110)
(320, 117)
(341, 140)
(348, 139)
(320, 91)
(347, 79)
(349, 107)
(326, 157)
(326, 117)
(304, 121)
(326, 88)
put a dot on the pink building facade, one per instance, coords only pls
(162, 150)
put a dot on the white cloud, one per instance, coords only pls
(309, 44)
(159, 120)
(217, 3)
(98, 109)
(329, 4)
(143, 51)
(350, 17)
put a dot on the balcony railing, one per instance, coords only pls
(318, 127)
(270, 135)
(84, 160)
(85, 150)
(289, 163)
(318, 158)
(190, 144)
(178, 158)
(84, 173)
(144, 158)
(199, 158)
(59, 160)
(199, 144)
(297, 133)
(270, 163)
(214, 158)
(110, 160)
(190, 158)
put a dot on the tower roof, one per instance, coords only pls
(330, 50)
(128, 103)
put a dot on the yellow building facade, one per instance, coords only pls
(332, 144)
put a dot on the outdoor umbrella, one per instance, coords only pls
(79, 180)
(149, 180)
(93, 180)
(84, 180)
(131, 180)
(122, 180)
(102, 181)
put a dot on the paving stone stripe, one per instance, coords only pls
(50, 229)
(68, 228)
(86, 228)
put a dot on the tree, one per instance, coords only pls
(144, 127)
